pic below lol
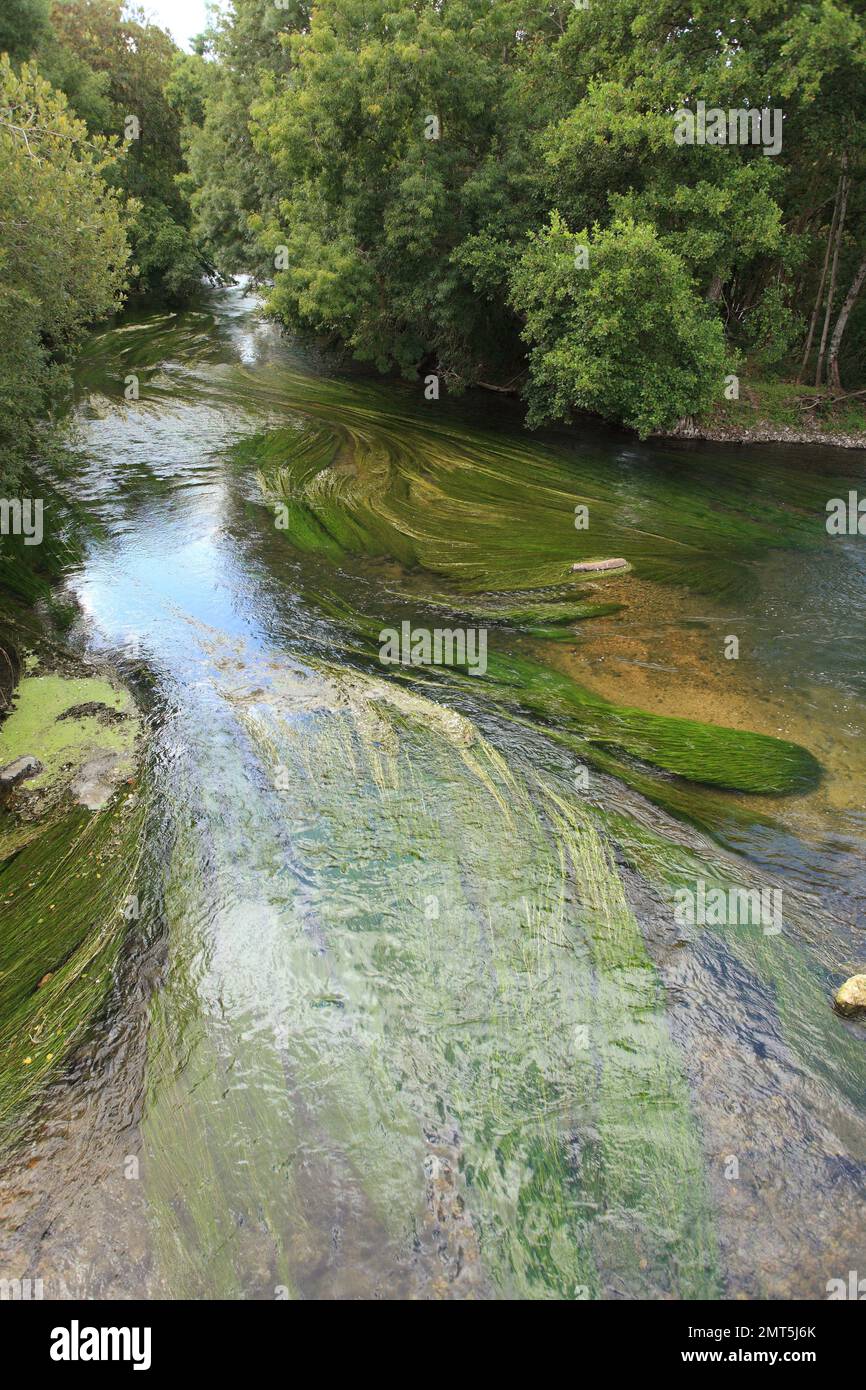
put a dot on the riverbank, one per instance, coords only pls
(70, 825)
(781, 412)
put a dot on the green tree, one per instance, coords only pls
(23, 25)
(117, 70)
(384, 163)
(63, 249)
(614, 326)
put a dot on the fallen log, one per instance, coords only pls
(586, 566)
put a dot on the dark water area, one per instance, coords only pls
(409, 1010)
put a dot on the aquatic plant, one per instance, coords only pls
(368, 473)
(64, 883)
(487, 1072)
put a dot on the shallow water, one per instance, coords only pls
(407, 1011)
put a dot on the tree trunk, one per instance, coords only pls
(832, 290)
(841, 324)
(819, 297)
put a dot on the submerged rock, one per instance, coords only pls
(94, 784)
(98, 709)
(850, 998)
(25, 766)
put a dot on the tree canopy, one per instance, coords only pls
(414, 179)
(63, 246)
(396, 169)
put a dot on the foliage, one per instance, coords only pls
(23, 23)
(625, 336)
(774, 328)
(395, 172)
(314, 170)
(63, 251)
(130, 62)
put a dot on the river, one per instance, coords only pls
(408, 1009)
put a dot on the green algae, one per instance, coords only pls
(535, 615)
(497, 519)
(796, 973)
(648, 1158)
(708, 754)
(65, 872)
(370, 474)
(423, 869)
(485, 1066)
(598, 730)
(525, 1107)
(212, 1148)
(39, 724)
(402, 1034)
(62, 894)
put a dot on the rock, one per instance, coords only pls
(590, 566)
(850, 998)
(22, 767)
(95, 782)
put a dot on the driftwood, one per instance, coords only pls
(510, 389)
(812, 402)
(588, 566)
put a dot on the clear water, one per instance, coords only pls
(407, 1012)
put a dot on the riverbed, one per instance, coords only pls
(407, 1010)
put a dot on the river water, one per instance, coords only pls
(407, 1010)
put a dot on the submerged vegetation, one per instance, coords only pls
(529, 939)
(71, 825)
(497, 519)
(66, 869)
(418, 1024)
(410, 987)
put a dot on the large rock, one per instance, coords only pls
(16, 771)
(850, 998)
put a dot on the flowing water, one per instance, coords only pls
(407, 1010)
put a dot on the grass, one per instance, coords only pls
(781, 403)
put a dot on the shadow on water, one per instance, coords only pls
(409, 1011)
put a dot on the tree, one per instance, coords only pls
(117, 69)
(614, 325)
(398, 155)
(23, 25)
(842, 322)
(63, 249)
